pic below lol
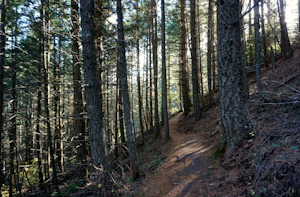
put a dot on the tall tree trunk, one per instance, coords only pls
(150, 67)
(233, 116)
(263, 31)
(13, 129)
(250, 36)
(39, 105)
(121, 114)
(116, 118)
(138, 70)
(2, 62)
(155, 68)
(209, 53)
(92, 89)
(147, 88)
(184, 62)
(200, 53)
(164, 73)
(56, 100)
(60, 108)
(299, 15)
(286, 49)
(196, 99)
(46, 105)
(79, 123)
(126, 103)
(213, 53)
(258, 51)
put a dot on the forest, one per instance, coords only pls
(150, 98)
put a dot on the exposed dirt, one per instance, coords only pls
(189, 169)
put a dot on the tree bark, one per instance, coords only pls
(138, 77)
(164, 73)
(155, 70)
(13, 129)
(286, 49)
(250, 37)
(258, 51)
(126, 103)
(92, 89)
(79, 123)
(230, 64)
(209, 53)
(46, 105)
(263, 31)
(2, 63)
(184, 62)
(200, 55)
(196, 99)
(39, 104)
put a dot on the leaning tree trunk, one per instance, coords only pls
(164, 73)
(126, 103)
(230, 64)
(196, 100)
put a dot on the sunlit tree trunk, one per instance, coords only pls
(138, 70)
(286, 49)
(126, 103)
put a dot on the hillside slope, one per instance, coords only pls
(267, 165)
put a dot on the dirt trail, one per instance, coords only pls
(186, 171)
